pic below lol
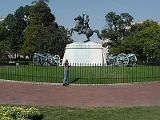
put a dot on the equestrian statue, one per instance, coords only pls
(82, 27)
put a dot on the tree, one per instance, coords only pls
(145, 39)
(3, 44)
(40, 18)
(150, 36)
(117, 26)
(117, 29)
(152, 46)
(16, 24)
(36, 1)
(64, 39)
(12, 38)
(40, 14)
(43, 34)
(132, 44)
(2, 31)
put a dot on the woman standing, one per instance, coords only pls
(66, 71)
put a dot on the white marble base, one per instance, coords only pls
(84, 53)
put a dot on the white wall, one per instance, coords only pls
(86, 53)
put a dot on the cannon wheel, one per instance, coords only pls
(36, 60)
(57, 59)
(46, 60)
(122, 59)
(111, 60)
(132, 59)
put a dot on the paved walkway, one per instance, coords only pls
(57, 95)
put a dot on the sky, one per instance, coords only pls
(66, 10)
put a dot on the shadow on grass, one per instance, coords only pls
(38, 118)
(75, 80)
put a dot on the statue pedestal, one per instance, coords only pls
(87, 53)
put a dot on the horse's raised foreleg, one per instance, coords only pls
(70, 32)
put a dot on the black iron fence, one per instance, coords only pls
(81, 73)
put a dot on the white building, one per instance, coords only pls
(2, 18)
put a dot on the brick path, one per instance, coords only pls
(56, 95)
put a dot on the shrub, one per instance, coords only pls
(19, 113)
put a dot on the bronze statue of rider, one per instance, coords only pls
(82, 27)
(86, 25)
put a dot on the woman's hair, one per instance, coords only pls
(66, 60)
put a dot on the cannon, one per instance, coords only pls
(46, 59)
(122, 59)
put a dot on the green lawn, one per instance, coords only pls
(88, 75)
(81, 74)
(100, 113)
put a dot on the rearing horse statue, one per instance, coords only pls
(81, 29)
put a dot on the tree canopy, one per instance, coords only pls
(15, 25)
(142, 39)
(35, 1)
(2, 32)
(43, 34)
(117, 26)
(3, 43)
(147, 34)
(117, 29)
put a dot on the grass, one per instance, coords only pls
(99, 113)
(81, 74)
(88, 75)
